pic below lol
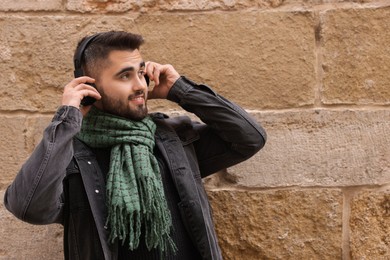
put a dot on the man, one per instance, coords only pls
(126, 184)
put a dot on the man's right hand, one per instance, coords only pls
(76, 90)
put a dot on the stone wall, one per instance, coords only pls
(315, 73)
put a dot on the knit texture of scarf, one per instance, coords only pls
(135, 194)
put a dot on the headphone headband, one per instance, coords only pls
(78, 58)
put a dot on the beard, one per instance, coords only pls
(123, 108)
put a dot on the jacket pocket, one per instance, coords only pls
(187, 133)
(187, 137)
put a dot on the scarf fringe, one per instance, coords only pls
(125, 223)
(157, 233)
(124, 226)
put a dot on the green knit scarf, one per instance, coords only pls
(135, 194)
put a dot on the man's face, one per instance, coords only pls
(122, 85)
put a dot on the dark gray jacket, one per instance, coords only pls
(44, 190)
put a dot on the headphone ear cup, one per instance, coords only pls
(147, 80)
(87, 100)
(78, 70)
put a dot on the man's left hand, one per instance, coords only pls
(164, 76)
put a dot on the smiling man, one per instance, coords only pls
(126, 184)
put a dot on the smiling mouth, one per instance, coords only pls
(138, 97)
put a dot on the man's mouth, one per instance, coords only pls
(137, 98)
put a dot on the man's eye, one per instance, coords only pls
(125, 76)
(141, 73)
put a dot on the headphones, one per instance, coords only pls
(78, 70)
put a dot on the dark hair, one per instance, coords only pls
(97, 52)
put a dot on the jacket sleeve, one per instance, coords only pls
(35, 194)
(229, 135)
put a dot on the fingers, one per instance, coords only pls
(85, 109)
(77, 89)
(164, 76)
(153, 71)
(80, 80)
(161, 73)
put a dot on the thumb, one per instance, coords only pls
(85, 109)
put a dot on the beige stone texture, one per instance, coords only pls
(319, 148)
(120, 6)
(20, 240)
(13, 146)
(20, 134)
(314, 73)
(356, 56)
(31, 5)
(370, 225)
(106, 6)
(36, 60)
(279, 224)
(223, 58)
(259, 60)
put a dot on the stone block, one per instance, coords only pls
(120, 6)
(356, 56)
(37, 56)
(20, 134)
(208, 48)
(24, 241)
(278, 224)
(12, 146)
(31, 5)
(370, 225)
(105, 6)
(319, 148)
(206, 5)
(257, 59)
(147, 6)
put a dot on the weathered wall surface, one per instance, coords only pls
(315, 73)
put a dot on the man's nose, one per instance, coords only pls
(139, 84)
